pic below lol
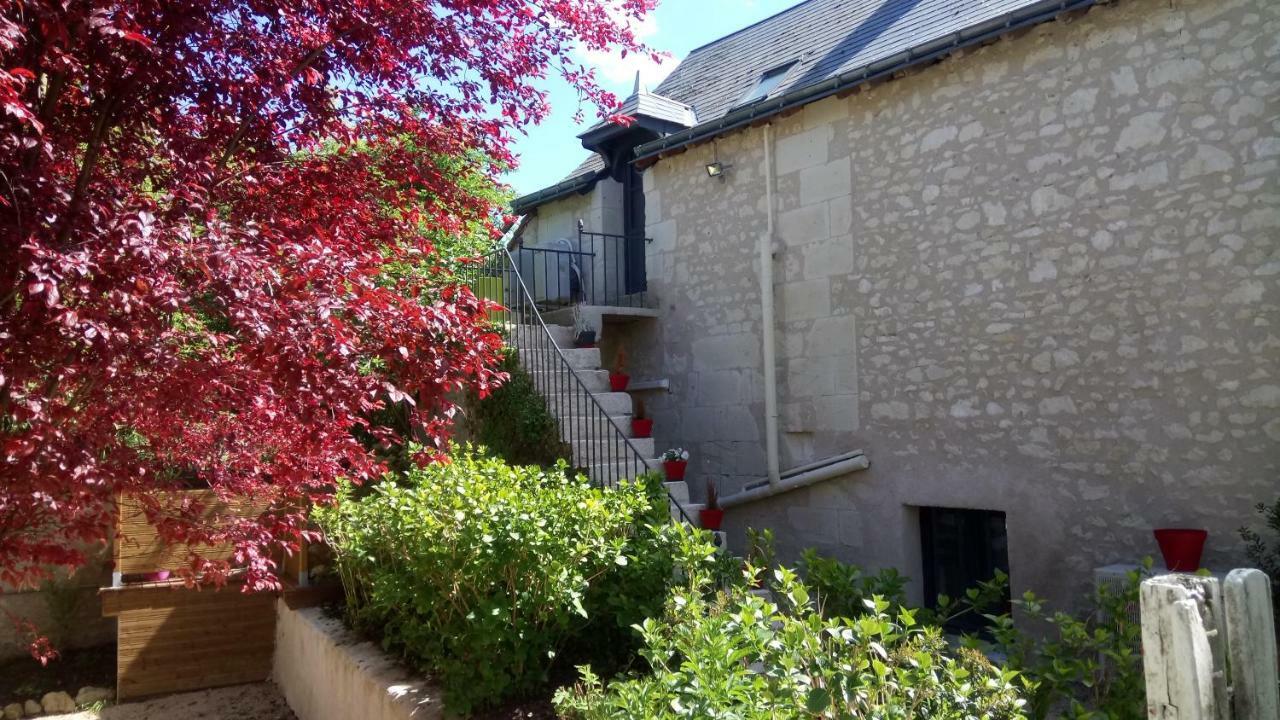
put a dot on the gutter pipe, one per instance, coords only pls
(769, 351)
(800, 477)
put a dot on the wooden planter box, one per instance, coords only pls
(174, 639)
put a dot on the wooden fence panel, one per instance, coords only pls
(173, 639)
(139, 550)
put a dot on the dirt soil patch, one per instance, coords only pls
(259, 701)
(23, 678)
(525, 710)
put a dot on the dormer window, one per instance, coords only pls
(767, 83)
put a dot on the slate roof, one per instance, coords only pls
(828, 44)
(824, 38)
(590, 166)
(643, 102)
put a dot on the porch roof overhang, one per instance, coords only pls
(579, 184)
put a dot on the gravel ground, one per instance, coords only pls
(259, 701)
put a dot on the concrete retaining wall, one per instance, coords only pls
(326, 672)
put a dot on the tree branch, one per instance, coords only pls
(234, 144)
(93, 150)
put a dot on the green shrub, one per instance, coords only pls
(1264, 550)
(513, 421)
(1089, 665)
(842, 590)
(482, 573)
(732, 654)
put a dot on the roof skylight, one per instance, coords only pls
(767, 83)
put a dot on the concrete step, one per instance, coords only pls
(545, 360)
(679, 490)
(610, 450)
(576, 401)
(573, 427)
(611, 473)
(561, 334)
(690, 509)
(593, 380)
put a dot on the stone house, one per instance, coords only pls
(1023, 255)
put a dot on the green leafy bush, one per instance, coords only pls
(733, 654)
(1264, 551)
(1086, 666)
(513, 421)
(842, 590)
(482, 573)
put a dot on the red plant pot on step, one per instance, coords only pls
(618, 381)
(1181, 548)
(674, 469)
(642, 427)
(711, 519)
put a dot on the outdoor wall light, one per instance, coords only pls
(717, 169)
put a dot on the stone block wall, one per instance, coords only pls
(1039, 277)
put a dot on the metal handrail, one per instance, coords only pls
(617, 271)
(552, 374)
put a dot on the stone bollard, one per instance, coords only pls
(1196, 635)
(1251, 645)
(1180, 626)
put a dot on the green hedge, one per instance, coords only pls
(485, 575)
(731, 654)
(513, 421)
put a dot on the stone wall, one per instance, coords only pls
(327, 672)
(1040, 277)
(68, 609)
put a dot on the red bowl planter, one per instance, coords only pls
(711, 519)
(1181, 548)
(618, 381)
(674, 469)
(642, 427)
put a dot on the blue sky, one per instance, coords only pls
(552, 149)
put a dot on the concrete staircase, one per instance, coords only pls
(596, 439)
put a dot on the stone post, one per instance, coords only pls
(1251, 643)
(1180, 629)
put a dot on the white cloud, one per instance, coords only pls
(618, 73)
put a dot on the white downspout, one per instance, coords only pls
(767, 318)
(806, 475)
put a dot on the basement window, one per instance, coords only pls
(961, 548)
(767, 83)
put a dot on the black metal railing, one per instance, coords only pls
(601, 269)
(617, 276)
(599, 447)
(555, 278)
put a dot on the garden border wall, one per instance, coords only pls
(326, 672)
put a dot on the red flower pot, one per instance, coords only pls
(618, 381)
(711, 519)
(1181, 548)
(642, 427)
(674, 469)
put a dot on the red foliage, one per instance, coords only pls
(195, 236)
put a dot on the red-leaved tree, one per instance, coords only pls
(205, 208)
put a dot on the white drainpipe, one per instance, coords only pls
(767, 319)
(800, 477)
(807, 474)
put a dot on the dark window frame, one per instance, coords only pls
(980, 551)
